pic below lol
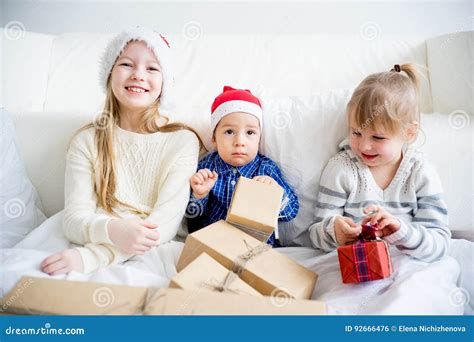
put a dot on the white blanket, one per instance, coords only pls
(415, 287)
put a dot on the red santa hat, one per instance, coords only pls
(235, 100)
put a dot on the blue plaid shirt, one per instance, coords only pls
(212, 208)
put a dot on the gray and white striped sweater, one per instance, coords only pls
(414, 197)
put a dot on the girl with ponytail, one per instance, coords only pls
(379, 171)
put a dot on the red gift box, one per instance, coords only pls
(364, 261)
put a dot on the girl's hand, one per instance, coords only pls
(133, 236)
(63, 262)
(387, 223)
(202, 182)
(265, 179)
(346, 230)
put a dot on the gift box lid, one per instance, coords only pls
(206, 274)
(255, 207)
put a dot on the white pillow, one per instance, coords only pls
(450, 59)
(447, 141)
(19, 204)
(300, 135)
(25, 56)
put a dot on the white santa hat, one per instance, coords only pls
(233, 100)
(160, 47)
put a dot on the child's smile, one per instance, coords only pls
(136, 90)
(369, 157)
(375, 147)
(136, 78)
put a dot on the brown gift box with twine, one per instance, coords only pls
(190, 302)
(255, 207)
(45, 296)
(256, 263)
(204, 273)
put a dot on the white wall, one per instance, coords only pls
(416, 19)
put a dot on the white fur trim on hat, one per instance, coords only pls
(234, 106)
(156, 42)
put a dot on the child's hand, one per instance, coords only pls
(387, 223)
(265, 179)
(346, 230)
(133, 236)
(63, 262)
(202, 182)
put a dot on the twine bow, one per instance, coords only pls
(238, 267)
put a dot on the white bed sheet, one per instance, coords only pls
(444, 287)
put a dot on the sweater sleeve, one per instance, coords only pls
(82, 225)
(170, 206)
(426, 237)
(335, 186)
(95, 256)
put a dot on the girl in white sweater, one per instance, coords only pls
(379, 170)
(126, 184)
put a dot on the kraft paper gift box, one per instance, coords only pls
(255, 207)
(365, 260)
(206, 274)
(269, 272)
(45, 296)
(190, 302)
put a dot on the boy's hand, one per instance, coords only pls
(387, 223)
(265, 179)
(202, 182)
(63, 262)
(346, 230)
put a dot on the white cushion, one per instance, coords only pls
(450, 59)
(300, 135)
(44, 138)
(449, 144)
(25, 66)
(285, 65)
(19, 204)
(74, 73)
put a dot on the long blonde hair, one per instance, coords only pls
(389, 99)
(104, 170)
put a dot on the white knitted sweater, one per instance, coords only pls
(414, 196)
(152, 174)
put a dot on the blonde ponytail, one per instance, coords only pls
(410, 70)
(389, 99)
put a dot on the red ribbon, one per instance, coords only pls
(360, 252)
